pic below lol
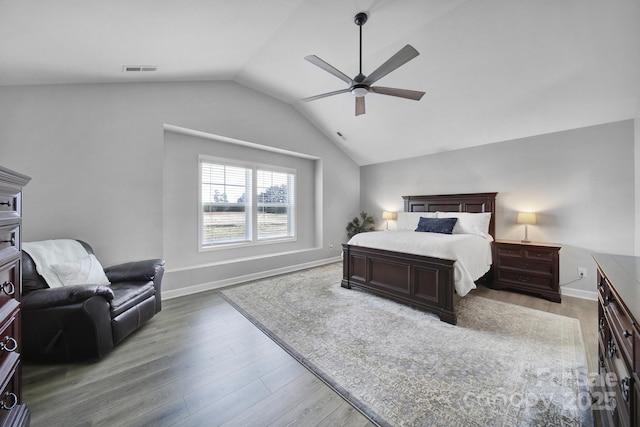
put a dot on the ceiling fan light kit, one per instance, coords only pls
(360, 85)
(360, 90)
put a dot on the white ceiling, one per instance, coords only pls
(492, 70)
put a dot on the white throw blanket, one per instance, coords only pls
(471, 253)
(52, 252)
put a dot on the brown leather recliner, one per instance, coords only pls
(86, 321)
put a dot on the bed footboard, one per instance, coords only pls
(422, 282)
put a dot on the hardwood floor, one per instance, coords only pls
(201, 363)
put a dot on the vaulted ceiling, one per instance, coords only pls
(492, 70)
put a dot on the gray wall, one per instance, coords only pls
(96, 156)
(637, 183)
(581, 183)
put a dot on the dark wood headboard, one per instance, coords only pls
(475, 203)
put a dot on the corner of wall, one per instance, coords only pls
(636, 163)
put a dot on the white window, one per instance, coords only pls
(242, 203)
(276, 204)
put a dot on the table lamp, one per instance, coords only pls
(388, 215)
(526, 218)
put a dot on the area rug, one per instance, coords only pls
(501, 365)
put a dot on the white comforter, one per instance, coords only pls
(471, 253)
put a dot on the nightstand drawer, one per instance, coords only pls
(526, 265)
(524, 280)
(509, 251)
(540, 254)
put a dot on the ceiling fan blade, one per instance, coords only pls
(329, 68)
(360, 105)
(324, 95)
(401, 93)
(401, 57)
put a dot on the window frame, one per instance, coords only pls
(253, 239)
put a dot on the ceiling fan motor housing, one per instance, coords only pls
(360, 18)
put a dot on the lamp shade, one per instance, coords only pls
(526, 218)
(388, 215)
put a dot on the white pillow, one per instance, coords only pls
(470, 223)
(409, 220)
(83, 271)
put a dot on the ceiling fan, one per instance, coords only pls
(361, 85)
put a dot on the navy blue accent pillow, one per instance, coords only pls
(437, 225)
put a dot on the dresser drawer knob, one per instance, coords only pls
(524, 279)
(602, 323)
(8, 203)
(626, 333)
(9, 344)
(8, 288)
(609, 300)
(9, 401)
(612, 349)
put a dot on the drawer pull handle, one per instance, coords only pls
(8, 288)
(9, 344)
(609, 300)
(523, 278)
(602, 323)
(523, 265)
(9, 397)
(12, 241)
(602, 362)
(612, 349)
(8, 203)
(624, 384)
(613, 405)
(626, 333)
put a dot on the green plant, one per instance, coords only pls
(359, 225)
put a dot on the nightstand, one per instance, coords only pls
(527, 267)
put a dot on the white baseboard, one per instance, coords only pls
(175, 293)
(577, 293)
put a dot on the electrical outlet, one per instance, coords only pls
(330, 245)
(582, 272)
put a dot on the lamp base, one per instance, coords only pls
(525, 241)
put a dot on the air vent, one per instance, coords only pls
(131, 68)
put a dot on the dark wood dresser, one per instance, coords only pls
(13, 412)
(527, 267)
(617, 389)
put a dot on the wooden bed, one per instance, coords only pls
(420, 281)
